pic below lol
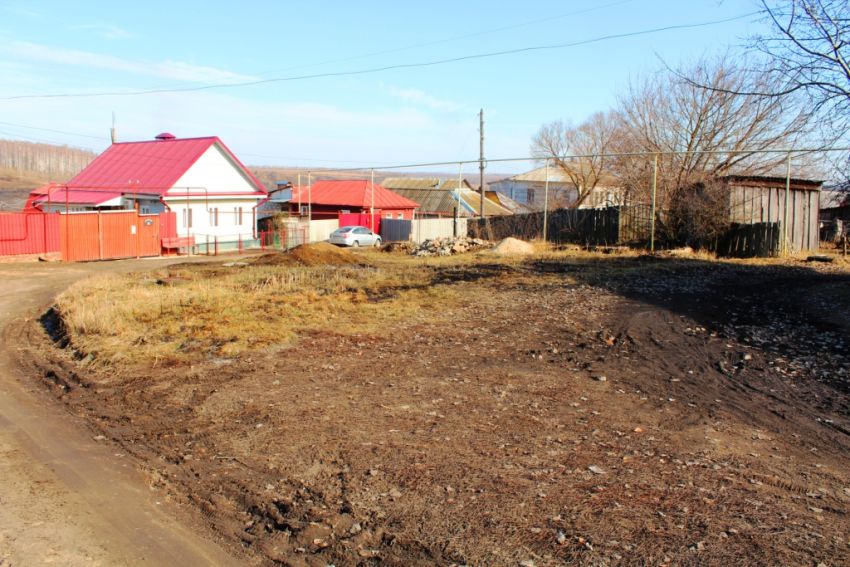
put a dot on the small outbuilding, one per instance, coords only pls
(789, 207)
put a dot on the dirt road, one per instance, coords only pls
(67, 498)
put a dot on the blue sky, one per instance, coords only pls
(397, 116)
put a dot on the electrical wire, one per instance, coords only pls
(450, 39)
(101, 138)
(385, 67)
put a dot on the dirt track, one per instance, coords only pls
(67, 498)
(617, 411)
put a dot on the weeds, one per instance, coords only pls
(188, 313)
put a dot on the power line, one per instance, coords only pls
(387, 67)
(450, 39)
(101, 138)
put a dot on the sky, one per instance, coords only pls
(369, 119)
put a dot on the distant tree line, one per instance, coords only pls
(56, 163)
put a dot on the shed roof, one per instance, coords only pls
(431, 200)
(770, 181)
(151, 166)
(351, 193)
(506, 202)
(393, 183)
(443, 201)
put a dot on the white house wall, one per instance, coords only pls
(216, 173)
(227, 229)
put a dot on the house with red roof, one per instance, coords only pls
(328, 199)
(212, 193)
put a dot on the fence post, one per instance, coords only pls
(654, 188)
(546, 204)
(784, 246)
(239, 245)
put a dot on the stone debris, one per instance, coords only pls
(399, 247)
(449, 246)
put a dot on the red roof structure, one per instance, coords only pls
(351, 193)
(77, 196)
(152, 166)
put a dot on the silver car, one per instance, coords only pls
(354, 236)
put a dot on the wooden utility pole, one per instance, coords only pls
(481, 160)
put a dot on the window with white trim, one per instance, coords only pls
(237, 216)
(214, 216)
(187, 218)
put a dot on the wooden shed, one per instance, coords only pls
(761, 200)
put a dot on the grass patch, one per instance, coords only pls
(188, 313)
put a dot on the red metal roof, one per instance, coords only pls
(152, 166)
(351, 193)
(77, 196)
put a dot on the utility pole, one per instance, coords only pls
(546, 205)
(481, 160)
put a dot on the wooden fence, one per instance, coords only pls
(757, 240)
(601, 227)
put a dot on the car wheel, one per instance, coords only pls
(377, 242)
(355, 244)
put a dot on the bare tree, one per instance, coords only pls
(591, 141)
(57, 163)
(807, 51)
(702, 133)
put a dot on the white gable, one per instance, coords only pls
(216, 173)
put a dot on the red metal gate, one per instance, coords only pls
(362, 219)
(109, 235)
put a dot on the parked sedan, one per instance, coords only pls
(354, 236)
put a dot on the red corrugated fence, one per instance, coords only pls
(28, 233)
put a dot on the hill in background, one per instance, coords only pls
(27, 165)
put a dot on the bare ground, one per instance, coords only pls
(66, 497)
(609, 411)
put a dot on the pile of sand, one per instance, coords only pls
(512, 247)
(318, 254)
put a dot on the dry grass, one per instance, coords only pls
(193, 312)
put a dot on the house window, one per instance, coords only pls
(237, 215)
(345, 211)
(214, 216)
(305, 210)
(388, 215)
(399, 216)
(187, 218)
(146, 210)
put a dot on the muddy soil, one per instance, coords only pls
(67, 497)
(616, 411)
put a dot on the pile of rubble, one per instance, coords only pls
(448, 246)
